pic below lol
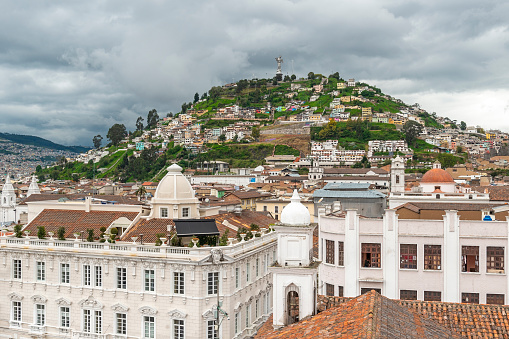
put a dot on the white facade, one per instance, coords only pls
(8, 203)
(464, 266)
(74, 289)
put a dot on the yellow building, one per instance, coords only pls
(341, 85)
(275, 206)
(345, 99)
(490, 135)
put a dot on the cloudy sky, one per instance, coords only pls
(71, 69)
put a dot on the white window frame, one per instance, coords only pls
(149, 283)
(180, 326)
(65, 273)
(164, 212)
(98, 276)
(248, 272)
(236, 326)
(87, 275)
(95, 322)
(179, 285)
(121, 323)
(40, 314)
(40, 272)
(237, 277)
(86, 320)
(211, 330)
(16, 311)
(65, 316)
(257, 267)
(149, 320)
(248, 315)
(122, 278)
(17, 269)
(212, 284)
(185, 212)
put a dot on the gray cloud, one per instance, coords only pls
(69, 70)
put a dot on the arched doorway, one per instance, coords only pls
(292, 307)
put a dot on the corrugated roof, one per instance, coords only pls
(371, 194)
(346, 186)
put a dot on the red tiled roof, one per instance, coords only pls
(497, 193)
(116, 198)
(370, 315)
(468, 320)
(149, 228)
(76, 221)
(245, 219)
(437, 175)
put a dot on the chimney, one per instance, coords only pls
(88, 202)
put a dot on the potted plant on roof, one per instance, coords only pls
(27, 234)
(77, 236)
(195, 240)
(61, 233)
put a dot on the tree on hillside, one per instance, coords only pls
(412, 129)
(311, 76)
(152, 118)
(334, 75)
(184, 108)
(139, 124)
(293, 77)
(204, 95)
(255, 133)
(169, 115)
(287, 78)
(463, 125)
(97, 140)
(215, 92)
(196, 97)
(116, 133)
(241, 85)
(222, 138)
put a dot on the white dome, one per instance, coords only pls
(174, 185)
(295, 213)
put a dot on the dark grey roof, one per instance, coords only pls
(345, 186)
(370, 194)
(190, 227)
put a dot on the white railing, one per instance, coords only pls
(15, 324)
(37, 328)
(147, 250)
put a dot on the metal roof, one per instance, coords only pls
(190, 227)
(370, 194)
(345, 186)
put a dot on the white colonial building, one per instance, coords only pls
(447, 260)
(128, 289)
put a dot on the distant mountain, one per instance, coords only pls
(37, 141)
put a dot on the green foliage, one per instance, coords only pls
(463, 125)
(223, 240)
(90, 236)
(40, 142)
(116, 133)
(114, 231)
(412, 129)
(17, 231)
(41, 232)
(448, 160)
(61, 233)
(158, 241)
(285, 150)
(97, 141)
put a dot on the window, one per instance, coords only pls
(397, 179)
(212, 281)
(16, 311)
(432, 257)
(265, 208)
(178, 329)
(87, 321)
(41, 271)
(494, 259)
(432, 296)
(122, 277)
(40, 314)
(121, 323)
(408, 295)
(237, 322)
(340, 291)
(98, 272)
(65, 316)
(472, 298)
(248, 315)
(16, 269)
(408, 256)
(149, 324)
(329, 289)
(98, 321)
(150, 280)
(257, 308)
(237, 277)
(178, 282)
(495, 299)
(329, 252)
(185, 212)
(211, 330)
(470, 259)
(257, 267)
(65, 273)
(371, 255)
(367, 289)
(87, 275)
(341, 254)
(276, 209)
(164, 212)
(248, 271)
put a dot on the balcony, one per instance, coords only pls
(88, 335)
(37, 329)
(15, 324)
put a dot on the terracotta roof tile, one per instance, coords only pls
(149, 228)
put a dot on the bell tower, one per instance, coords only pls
(398, 175)
(295, 272)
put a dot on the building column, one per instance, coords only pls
(352, 254)
(451, 259)
(390, 251)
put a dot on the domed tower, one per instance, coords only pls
(437, 180)
(398, 175)
(295, 273)
(174, 197)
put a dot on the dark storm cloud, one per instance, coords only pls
(69, 70)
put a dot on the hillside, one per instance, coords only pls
(41, 142)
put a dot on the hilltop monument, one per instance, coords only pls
(279, 73)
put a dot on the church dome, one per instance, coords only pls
(295, 213)
(174, 185)
(437, 175)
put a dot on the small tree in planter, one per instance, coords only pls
(223, 241)
(17, 231)
(61, 233)
(41, 232)
(101, 236)
(113, 236)
(158, 241)
(90, 237)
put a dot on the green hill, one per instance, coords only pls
(40, 142)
